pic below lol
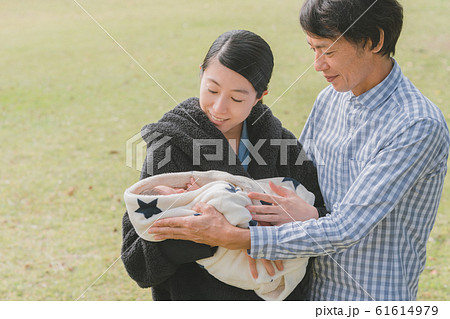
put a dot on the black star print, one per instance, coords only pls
(232, 189)
(149, 209)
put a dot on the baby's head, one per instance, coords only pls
(164, 190)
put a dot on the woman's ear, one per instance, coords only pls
(261, 98)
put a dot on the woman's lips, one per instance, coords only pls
(216, 120)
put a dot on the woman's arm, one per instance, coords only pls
(143, 260)
(151, 263)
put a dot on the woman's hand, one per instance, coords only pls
(192, 185)
(286, 207)
(209, 227)
(267, 264)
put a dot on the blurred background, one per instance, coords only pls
(70, 98)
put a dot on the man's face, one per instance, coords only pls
(345, 66)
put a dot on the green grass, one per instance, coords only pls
(70, 98)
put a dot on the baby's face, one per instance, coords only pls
(166, 190)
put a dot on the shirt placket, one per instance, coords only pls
(347, 143)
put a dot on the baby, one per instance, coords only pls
(152, 198)
(167, 190)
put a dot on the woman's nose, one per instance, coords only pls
(220, 105)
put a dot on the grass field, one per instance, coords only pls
(70, 98)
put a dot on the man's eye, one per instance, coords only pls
(328, 53)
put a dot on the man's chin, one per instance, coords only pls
(339, 88)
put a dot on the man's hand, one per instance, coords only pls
(209, 227)
(286, 207)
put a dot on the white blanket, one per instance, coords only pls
(228, 194)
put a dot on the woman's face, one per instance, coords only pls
(227, 98)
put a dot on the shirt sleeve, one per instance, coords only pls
(411, 154)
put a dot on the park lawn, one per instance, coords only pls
(70, 98)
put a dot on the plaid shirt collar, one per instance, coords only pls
(380, 93)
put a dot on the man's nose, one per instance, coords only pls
(319, 63)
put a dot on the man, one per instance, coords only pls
(380, 148)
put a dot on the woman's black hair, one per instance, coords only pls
(245, 53)
(332, 18)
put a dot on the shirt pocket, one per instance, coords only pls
(356, 166)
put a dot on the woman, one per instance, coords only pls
(207, 134)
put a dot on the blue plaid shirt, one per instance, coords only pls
(381, 159)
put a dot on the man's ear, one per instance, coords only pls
(380, 44)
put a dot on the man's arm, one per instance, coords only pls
(376, 191)
(210, 227)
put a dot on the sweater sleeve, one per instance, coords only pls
(143, 260)
(151, 263)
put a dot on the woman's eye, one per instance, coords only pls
(211, 91)
(236, 100)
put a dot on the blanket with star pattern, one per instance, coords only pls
(228, 194)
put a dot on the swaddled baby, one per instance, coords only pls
(174, 195)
